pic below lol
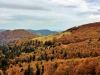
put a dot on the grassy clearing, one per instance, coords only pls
(50, 37)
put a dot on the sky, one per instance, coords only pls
(48, 14)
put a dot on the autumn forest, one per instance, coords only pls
(75, 51)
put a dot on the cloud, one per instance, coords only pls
(33, 17)
(89, 13)
(24, 6)
(93, 1)
(68, 6)
(47, 14)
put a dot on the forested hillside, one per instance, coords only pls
(10, 36)
(75, 51)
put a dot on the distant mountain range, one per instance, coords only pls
(43, 32)
(39, 32)
(1, 30)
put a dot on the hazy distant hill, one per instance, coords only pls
(9, 36)
(43, 32)
(1, 30)
(39, 32)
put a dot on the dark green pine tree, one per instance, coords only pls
(38, 69)
(29, 71)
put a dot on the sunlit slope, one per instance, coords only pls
(52, 36)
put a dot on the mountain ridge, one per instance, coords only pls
(42, 32)
(13, 35)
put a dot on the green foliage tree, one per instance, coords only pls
(38, 69)
(29, 71)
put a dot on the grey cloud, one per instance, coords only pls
(63, 15)
(25, 7)
(68, 6)
(28, 17)
(93, 1)
(88, 13)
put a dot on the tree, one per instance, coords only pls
(42, 69)
(38, 69)
(29, 71)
